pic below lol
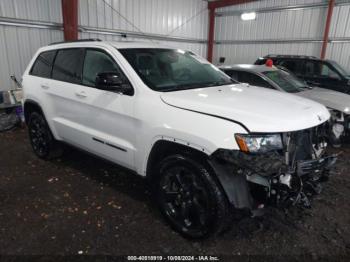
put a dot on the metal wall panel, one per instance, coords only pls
(340, 27)
(163, 17)
(267, 4)
(279, 25)
(150, 16)
(308, 23)
(43, 10)
(17, 46)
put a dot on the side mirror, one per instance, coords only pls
(112, 81)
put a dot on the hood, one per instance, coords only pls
(331, 99)
(256, 108)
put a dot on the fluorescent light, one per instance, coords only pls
(248, 16)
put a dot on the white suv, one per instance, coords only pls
(209, 146)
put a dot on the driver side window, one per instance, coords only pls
(317, 69)
(326, 71)
(97, 62)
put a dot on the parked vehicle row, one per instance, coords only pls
(337, 103)
(316, 72)
(210, 146)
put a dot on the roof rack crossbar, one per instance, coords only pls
(79, 40)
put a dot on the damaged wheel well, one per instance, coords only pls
(162, 149)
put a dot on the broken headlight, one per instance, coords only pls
(259, 143)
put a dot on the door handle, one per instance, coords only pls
(81, 94)
(44, 86)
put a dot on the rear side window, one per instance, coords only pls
(289, 64)
(68, 65)
(43, 64)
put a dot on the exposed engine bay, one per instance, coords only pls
(279, 178)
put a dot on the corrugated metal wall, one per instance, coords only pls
(340, 27)
(163, 17)
(18, 44)
(302, 24)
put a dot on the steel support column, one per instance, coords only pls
(326, 30)
(70, 19)
(212, 7)
(211, 34)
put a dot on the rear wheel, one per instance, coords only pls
(190, 198)
(43, 143)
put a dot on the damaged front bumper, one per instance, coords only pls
(255, 180)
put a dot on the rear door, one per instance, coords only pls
(39, 80)
(293, 65)
(61, 89)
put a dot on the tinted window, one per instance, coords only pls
(43, 64)
(68, 65)
(289, 64)
(319, 69)
(97, 62)
(252, 79)
(339, 68)
(231, 73)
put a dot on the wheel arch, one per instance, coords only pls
(162, 148)
(31, 106)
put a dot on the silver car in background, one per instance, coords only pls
(274, 78)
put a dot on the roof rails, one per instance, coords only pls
(291, 56)
(79, 40)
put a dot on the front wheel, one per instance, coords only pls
(190, 197)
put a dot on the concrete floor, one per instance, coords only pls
(82, 205)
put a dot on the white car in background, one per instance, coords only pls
(206, 143)
(275, 78)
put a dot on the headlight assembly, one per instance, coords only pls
(259, 143)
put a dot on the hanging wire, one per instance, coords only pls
(168, 34)
(187, 20)
(127, 20)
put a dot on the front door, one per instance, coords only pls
(320, 74)
(105, 117)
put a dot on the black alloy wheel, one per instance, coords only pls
(189, 197)
(41, 139)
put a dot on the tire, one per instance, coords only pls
(43, 143)
(190, 197)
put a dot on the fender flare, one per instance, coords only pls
(233, 184)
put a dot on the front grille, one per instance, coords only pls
(305, 144)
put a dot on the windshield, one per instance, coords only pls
(339, 68)
(172, 70)
(286, 81)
